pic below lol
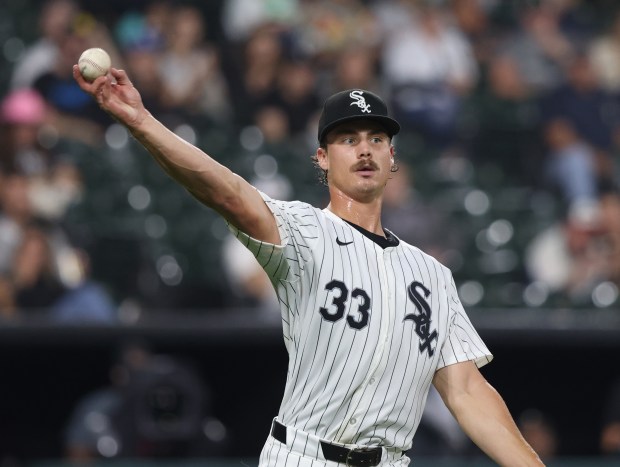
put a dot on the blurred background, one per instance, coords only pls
(135, 331)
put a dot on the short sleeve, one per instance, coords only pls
(297, 226)
(463, 342)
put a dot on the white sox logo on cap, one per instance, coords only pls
(359, 100)
(340, 108)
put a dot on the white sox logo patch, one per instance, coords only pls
(359, 100)
(423, 319)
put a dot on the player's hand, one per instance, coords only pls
(116, 95)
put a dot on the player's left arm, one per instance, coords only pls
(482, 414)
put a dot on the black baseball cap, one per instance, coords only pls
(352, 105)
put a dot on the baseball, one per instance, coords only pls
(94, 63)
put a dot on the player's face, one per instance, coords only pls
(358, 157)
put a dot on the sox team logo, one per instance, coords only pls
(423, 319)
(359, 100)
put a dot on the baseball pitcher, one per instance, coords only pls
(369, 321)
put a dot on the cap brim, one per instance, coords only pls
(392, 126)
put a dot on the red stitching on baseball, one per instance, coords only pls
(93, 64)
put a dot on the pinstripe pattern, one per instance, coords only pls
(365, 386)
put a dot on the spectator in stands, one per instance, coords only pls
(539, 46)
(144, 29)
(55, 182)
(253, 79)
(392, 14)
(429, 65)
(55, 20)
(16, 215)
(569, 257)
(40, 269)
(473, 19)
(22, 115)
(571, 169)
(595, 116)
(26, 266)
(35, 281)
(189, 68)
(594, 113)
(296, 93)
(568, 263)
(356, 68)
(604, 54)
(583, 249)
(505, 118)
(584, 118)
(240, 18)
(326, 28)
(83, 299)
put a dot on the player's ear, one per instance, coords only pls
(321, 158)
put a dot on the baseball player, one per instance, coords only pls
(369, 322)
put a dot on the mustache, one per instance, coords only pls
(365, 165)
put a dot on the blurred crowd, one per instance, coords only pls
(508, 156)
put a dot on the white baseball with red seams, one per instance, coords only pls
(93, 63)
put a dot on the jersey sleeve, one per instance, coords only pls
(463, 342)
(298, 233)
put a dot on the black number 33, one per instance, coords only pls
(339, 300)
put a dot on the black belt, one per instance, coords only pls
(358, 457)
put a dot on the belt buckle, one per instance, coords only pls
(356, 451)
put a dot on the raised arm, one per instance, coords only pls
(483, 415)
(209, 181)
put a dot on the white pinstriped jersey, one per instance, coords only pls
(365, 327)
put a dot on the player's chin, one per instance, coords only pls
(370, 185)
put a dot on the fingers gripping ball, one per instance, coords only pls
(94, 63)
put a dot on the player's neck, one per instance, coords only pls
(366, 215)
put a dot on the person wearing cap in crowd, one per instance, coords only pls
(55, 182)
(22, 113)
(369, 322)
